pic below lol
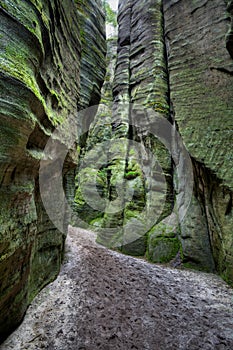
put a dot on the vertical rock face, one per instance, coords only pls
(174, 56)
(140, 80)
(201, 86)
(92, 34)
(40, 56)
(98, 132)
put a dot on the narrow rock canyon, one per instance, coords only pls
(116, 174)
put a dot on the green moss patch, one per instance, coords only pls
(162, 249)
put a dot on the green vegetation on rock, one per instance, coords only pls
(40, 65)
(111, 16)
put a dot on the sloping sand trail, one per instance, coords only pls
(106, 300)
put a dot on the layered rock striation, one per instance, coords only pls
(41, 56)
(171, 66)
(201, 86)
(174, 59)
(140, 79)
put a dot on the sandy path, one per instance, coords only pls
(105, 300)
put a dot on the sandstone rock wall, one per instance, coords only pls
(173, 56)
(99, 132)
(92, 32)
(201, 85)
(140, 77)
(41, 54)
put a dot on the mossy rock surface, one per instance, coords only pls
(201, 88)
(135, 248)
(40, 65)
(162, 249)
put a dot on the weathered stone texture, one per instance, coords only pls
(99, 132)
(188, 81)
(92, 23)
(201, 85)
(201, 81)
(40, 55)
(140, 79)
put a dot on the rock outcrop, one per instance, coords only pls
(201, 86)
(41, 54)
(93, 66)
(165, 121)
(140, 79)
(173, 57)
